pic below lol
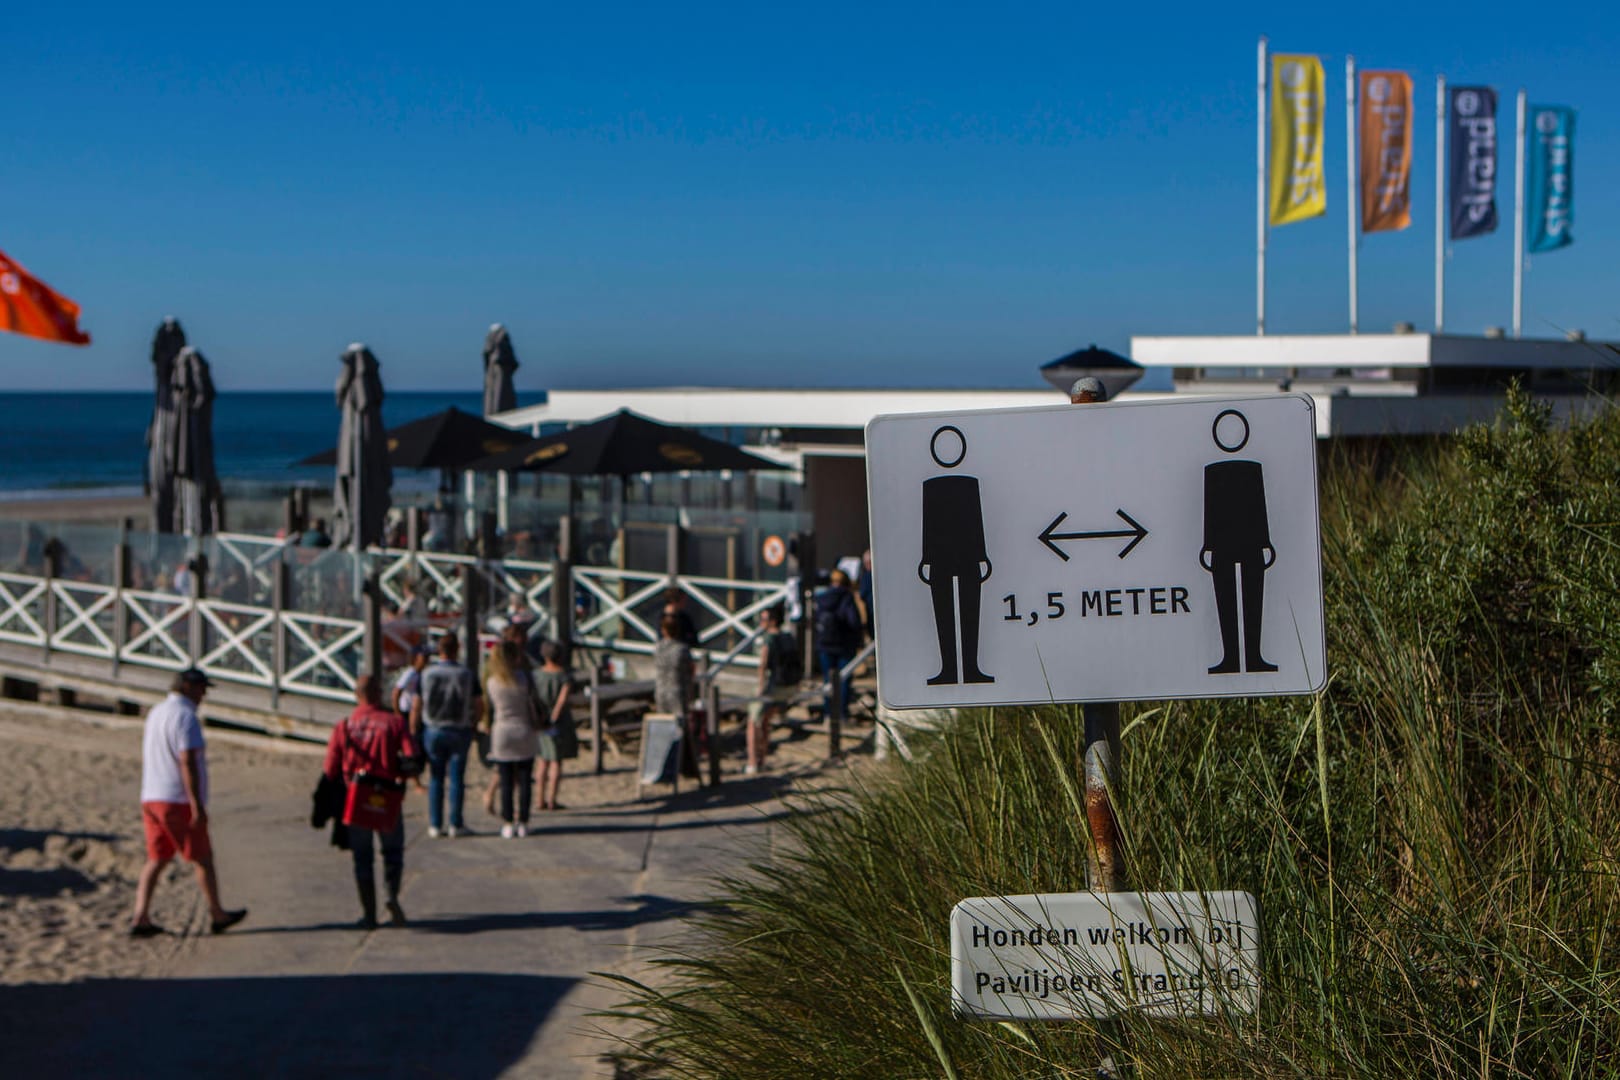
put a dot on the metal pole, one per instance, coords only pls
(1352, 199)
(1518, 221)
(1105, 863)
(1105, 860)
(1440, 171)
(1260, 201)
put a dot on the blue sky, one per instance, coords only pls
(733, 194)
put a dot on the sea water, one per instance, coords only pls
(59, 444)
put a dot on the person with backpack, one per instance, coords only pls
(781, 669)
(364, 755)
(838, 638)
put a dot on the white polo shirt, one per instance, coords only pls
(172, 727)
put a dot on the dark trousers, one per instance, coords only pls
(519, 775)
(393, 855)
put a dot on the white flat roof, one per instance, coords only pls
(769, 408)
(1369, 351)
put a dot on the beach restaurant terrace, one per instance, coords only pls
(284, 629)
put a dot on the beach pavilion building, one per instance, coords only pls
(1365, 386)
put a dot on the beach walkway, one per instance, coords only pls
(491, 978)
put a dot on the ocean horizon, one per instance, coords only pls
(93, 443)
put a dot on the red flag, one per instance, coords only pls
(29, 306)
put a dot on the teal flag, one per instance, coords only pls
(1550, 204)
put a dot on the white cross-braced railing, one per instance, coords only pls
(316, 647)
(80, 607)
(257, 555)
(598, 582)
(243, 636)
(703, 590)
(151, 640)
(22, 609)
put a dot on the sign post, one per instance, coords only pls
(1122, 552)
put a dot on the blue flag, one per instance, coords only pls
(1472, 139)
(1551, 178)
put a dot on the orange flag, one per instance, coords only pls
(29, 306)
(1386, 150)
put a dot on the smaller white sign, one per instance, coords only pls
(1062, 956)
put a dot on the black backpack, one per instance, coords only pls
(784, 661)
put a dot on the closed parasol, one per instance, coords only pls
(364, 476)
(159, 471)
(199, 507)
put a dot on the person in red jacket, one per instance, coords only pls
(364, 750)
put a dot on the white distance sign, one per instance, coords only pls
(1109, 552)
(1056, 956)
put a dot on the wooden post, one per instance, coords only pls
(289, 517)
(199, 592)
(804, 552)
(596, 720)
(280, 594)
(413, 532)
(470, 620)
(562, 590)
(712, 723)
(674, 548)
(53, 570)
(121, 568)
(731, 575)
(371, 614)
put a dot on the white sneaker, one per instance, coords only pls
(522, 831)
(506, 832)
(452, 832)
(434, 834)
(751, 769)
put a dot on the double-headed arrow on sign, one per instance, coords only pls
(1050, 536)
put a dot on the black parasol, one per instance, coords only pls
(446, 440)
(624, 444)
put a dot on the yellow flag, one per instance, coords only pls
(1298, 185)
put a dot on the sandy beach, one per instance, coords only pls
(514, 928)
(84, 509)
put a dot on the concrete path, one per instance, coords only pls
(491, 978)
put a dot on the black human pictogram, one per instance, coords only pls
(1236, 536)
(954, 563)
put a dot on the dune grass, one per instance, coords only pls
(1433, 840)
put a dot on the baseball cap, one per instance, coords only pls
(195, 676)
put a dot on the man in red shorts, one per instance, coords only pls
(174, 801)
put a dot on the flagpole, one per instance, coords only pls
(1260, 201)
(1352, 200)
(1440, 204)
(1518, 221)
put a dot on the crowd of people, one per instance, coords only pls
(434, 717)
